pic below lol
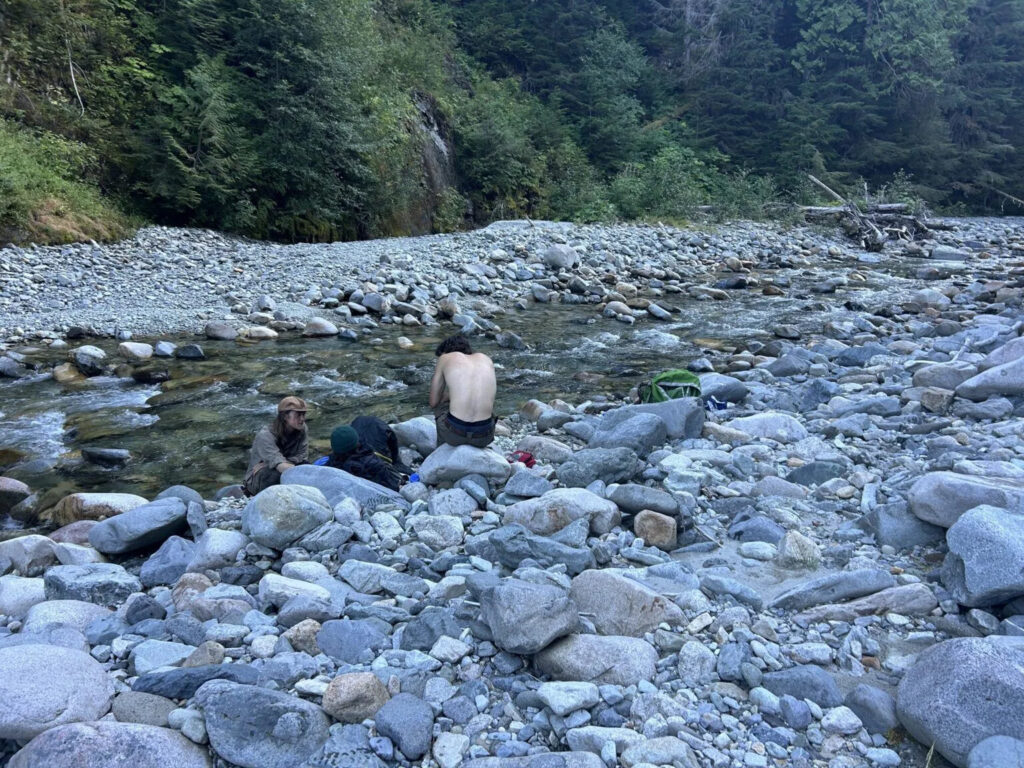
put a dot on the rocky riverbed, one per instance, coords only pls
(823, 572)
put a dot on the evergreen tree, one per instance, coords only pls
(986, 114)
(261, 132)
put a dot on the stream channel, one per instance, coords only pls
(196, 428)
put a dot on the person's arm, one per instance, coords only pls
(437, 393)
(266, 449)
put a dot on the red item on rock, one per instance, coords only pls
(524, 456)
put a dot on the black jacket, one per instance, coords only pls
(367, 465)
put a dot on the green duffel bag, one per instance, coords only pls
(670, 385)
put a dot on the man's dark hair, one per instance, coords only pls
(456, 343)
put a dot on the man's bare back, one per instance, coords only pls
(467, 382)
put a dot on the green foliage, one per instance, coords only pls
(498, 162)
(318, 119)
(451, 211)
(575, 191)
(670, 186)
(41, 198)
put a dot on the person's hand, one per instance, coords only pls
(283, 466)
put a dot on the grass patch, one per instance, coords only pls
(45, 196)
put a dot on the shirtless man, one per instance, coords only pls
(462, 394)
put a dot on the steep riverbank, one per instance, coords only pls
(823, 573)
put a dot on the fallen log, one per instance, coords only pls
(854, 222)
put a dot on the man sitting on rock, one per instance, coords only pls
(349, 454)
(278, 446)
(462, 394)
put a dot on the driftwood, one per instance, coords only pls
(874, 225)
(855, 223)
(1007, 195)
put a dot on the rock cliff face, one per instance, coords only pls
(437, 156)
(431, 171)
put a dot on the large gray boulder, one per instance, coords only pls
(100, 583)
(12, 493)
(683, 417)
(611, 465)
(281, 514)
(259, 728)
(525, 617)
(89, 360)
(419, 433)
(556, 509)
(216, 548)
(18, 595)
(140, 527)
(641, 433)
(43, 686)
(986, 550)
(449, 464)
(893, 524)
(337, 485)
(1010, 351)
(944, 375)
(941, 497)
(618, 605)
(106, 744)
(29, 555)
(725, 388)
(1006, 379)
(599, 659)
(961, 691)
(805, 681)
(78, 614)
(560, 256)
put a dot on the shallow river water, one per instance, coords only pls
(196, 428)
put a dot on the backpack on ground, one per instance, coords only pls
(670, 385)
(375, 435)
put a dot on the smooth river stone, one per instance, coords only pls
(111, 745)
(617, 605)
(92, 506)
(43, 686)
(599, 659)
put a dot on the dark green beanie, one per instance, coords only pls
(344, 440)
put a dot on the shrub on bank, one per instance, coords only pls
(42, 196)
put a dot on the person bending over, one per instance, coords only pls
(462, 394)
(348, 454)
(280, 445)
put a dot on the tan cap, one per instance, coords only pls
(291, 403)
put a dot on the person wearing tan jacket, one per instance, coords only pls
(277, 447)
